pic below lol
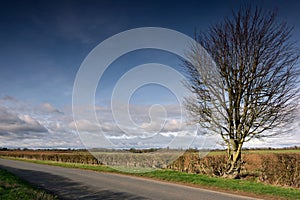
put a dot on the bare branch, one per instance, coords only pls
(249, 87)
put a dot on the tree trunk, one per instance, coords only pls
(234, 162)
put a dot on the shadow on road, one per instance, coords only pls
(66, 188)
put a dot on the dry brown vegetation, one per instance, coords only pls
(83, 157)
(277, 168)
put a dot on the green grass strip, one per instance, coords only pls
(13, 188)
(227, 184)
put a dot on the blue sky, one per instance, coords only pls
(43, 44)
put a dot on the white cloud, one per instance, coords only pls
(43, 126)
(84, 125)
(47, 107)
(11, 123)
(173, 125)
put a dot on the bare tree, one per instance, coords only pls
(248, 87)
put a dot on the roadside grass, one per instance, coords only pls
(227, 184)
(13, 188)
(231, 185)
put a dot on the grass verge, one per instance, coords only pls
(251, 188)
(13, 188)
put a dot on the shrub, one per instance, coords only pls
(281, 169)
(208, 165)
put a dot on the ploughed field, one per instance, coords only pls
(272, 166)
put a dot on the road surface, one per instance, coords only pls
(72, 184)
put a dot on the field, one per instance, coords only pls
(261, 169)
(190, 161)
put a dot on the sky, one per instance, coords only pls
(44, 44)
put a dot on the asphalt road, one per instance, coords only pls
(84, 184)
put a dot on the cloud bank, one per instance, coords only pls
(44, 126)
